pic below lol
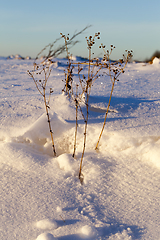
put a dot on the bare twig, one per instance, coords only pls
(76, 103)
(41, 87)
(90, 43)
(114, 74)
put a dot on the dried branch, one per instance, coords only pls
(114, 73)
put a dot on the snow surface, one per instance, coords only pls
(41, 197)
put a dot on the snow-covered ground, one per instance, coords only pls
(41, 197)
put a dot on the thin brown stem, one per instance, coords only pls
(105, 115)
(75, 139)
(86, 120)
(114, 78)
(42, 85)
(49, 122)
(84, 143)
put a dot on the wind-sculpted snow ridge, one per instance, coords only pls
(41, 197)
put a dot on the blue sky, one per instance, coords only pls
(27, 26)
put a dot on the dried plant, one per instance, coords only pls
(54, 52)
(69, 71)
(41, 85)
(76, 104)
(78, 88)
(87, 90)
(94, 65)
(85, 82)
(115, 69)
(42, 70)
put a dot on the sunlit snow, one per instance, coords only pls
(41, 197)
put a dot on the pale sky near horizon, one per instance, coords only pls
(27, 26)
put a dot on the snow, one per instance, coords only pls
(41, 196)
(156, 61)
(67, 163)
(46, 224)
(45, 236)
(88, 232)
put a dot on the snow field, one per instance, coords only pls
(41, 196)
(45, 236)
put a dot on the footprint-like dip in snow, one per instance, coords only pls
(46, 224)
(46, 236)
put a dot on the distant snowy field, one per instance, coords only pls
(41, 197)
